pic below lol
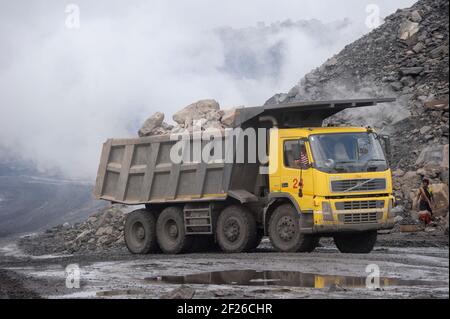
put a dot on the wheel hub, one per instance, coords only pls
(139, 232)
(286, 228)
(173, 230)
(231, 230)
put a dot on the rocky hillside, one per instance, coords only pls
(407, 57)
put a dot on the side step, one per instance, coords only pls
(199, 218)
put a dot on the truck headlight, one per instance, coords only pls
(327, 211)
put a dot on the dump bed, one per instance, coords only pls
(140, 171)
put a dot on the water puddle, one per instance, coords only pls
(280, 278)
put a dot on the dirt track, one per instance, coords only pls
(408, 272)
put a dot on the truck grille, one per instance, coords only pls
(360, 218)
(366, 204)
(358, 185)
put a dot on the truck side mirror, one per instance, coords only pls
(387, 147)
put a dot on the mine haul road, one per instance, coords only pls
(405, 272)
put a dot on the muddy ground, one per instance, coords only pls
(410, 265)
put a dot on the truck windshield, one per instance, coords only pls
(347, 152)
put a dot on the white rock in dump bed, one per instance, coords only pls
(229, 117)
(198, 110)
(153, 122)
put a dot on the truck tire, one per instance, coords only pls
(284, 231)
(236, 229)
(170, 231)
(140, 232)
(356, 243)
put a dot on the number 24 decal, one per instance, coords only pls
(297, 184)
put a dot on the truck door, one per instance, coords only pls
(296, 173)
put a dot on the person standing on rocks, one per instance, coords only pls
(425, 198)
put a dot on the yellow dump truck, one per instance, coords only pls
(314, 182)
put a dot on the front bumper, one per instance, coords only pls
(329, 229)
(350, 215)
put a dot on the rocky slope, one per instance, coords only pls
(407, 57)
(101, 231)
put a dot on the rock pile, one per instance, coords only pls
(406, 57)
(204, 113)
(101, 232)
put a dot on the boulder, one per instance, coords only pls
(435, 53)
(195, 111)
(153, 122)
(411, 71)
(424, 130)
(436, 105)
(407, 29)
(415, 16)
(441, 199)
(84, 235)
(107, 230)
(419, 47)
(229, 117)
(434, 156)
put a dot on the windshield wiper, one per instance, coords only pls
(366, 164)
(345, 162)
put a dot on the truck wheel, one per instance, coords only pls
(236, 229)
(140, 232)
(284, 231)
(170, 231)
(356, 243)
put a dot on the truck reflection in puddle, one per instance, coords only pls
(279, 278)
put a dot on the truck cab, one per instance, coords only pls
(337, 178)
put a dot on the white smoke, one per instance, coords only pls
(64, 91)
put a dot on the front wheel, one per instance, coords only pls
(284, 231)
(356, 243)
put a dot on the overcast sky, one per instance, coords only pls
(64, 90)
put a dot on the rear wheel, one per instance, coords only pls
(236, 229)
(170, 232)
(356, 243)
(284, 231)
(140, 232)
